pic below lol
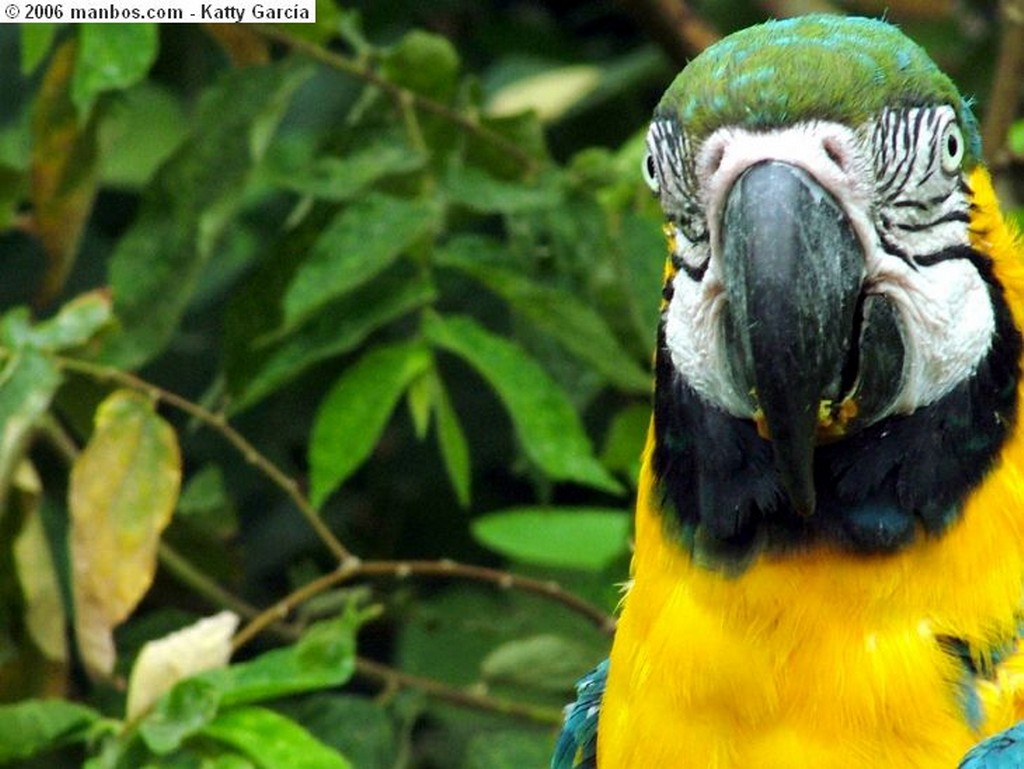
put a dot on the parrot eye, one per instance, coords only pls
(650, 172)
(952, 148)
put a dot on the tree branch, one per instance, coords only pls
(1005, 95)
(355, 569)
(399, 94)
(385, 676)
(390, 678)
(674, 26)
(349, 568)
(219, 424)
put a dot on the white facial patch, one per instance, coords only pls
(948, 322)
(907, 209)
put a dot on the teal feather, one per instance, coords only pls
(1004, 750)
(577, 744)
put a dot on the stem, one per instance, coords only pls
(674, 26)
(185, 572)
(387, 677)
(1002, 105)
(349, 566)
(391, 678)
(354, 568)
(219, 424)
(399, 93)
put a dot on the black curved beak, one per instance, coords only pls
(793, 271)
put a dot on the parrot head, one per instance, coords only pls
(836, 359)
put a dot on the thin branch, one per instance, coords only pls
(58, 438)
(674, 26)
(448, 569)
(391, 678)
(354, 569)
(349, 566)
(219, 424)
(385, 676)
(188, 574)
(1005, 96)
(398, 93)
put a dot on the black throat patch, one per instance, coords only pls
(877, 490)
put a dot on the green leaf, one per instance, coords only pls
(641, 242)
(272, 741)
(354, 248)
(543, 662)
(206, 504)
(453, 445)
(477, 190)
(355, 411)
(356, 726)
(111, 57)
(36, 42)
(227, 760)
(587, 538)
(1015, 138)
(448, 635)
(555, 311)
(33, 726)
(342, 179)
(508, 749)
(339, 327)
(75, 324)
(544, 419)
(419, 397)
(156, 264)
(423, 62)
(138, 132)
(13, 188)
(525, 130)
(625, 438)
(182, 712)
(328, 19)
(28, 381)
(324, 657)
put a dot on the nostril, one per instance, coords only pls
(835, 153)
(715, 160)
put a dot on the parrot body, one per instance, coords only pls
(829, 554)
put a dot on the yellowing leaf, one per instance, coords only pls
(550, 94)
(64, 171)
(40, 589)
(123, 489)
(205, 645)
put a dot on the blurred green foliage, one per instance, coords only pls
(407, 253)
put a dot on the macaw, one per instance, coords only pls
(829, 548)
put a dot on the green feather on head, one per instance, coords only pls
(817, 67)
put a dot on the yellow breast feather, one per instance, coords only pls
(822, 657)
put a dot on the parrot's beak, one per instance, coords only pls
(793, 270)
